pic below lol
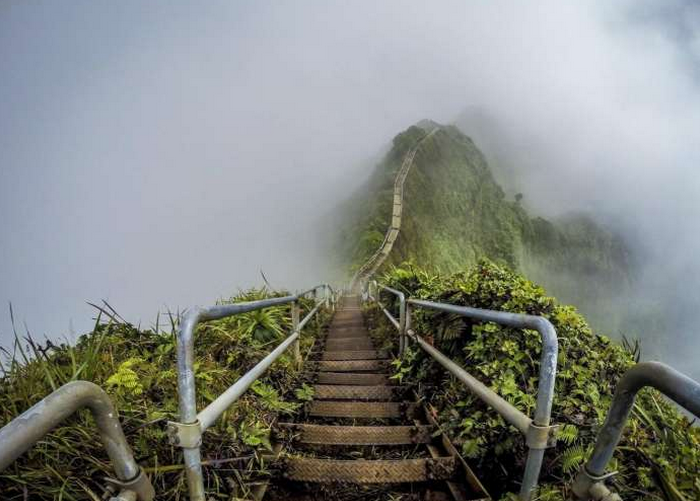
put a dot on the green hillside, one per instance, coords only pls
(456, 213)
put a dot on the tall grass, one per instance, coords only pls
(137, 368)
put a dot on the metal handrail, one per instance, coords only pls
(539, 435)
(401, 323)
(32, 425)
(188, 432)
(589, 482)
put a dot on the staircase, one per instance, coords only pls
(362, 436)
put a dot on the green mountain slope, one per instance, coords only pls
(455, 213)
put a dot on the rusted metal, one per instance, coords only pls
(357, 392)
(351, 365)
(358, 410)
(354, 355)
(361, 435)
(369, 472)
(342, 344)
(349, 378)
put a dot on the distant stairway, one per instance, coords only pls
(362, 437)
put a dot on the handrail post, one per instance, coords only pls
(402, 323)
(296, 351)
(32, 425)
(590, 480)
(406, 324)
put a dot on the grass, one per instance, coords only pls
(137, 368)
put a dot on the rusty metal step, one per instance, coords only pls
(358, 410)
(352, 378)
(353, 355)
(341, 344)
(347, 332)
(350, 365)
(369, 472)
(356, 392)
(360, 435)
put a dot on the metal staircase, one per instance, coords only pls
(362, 436)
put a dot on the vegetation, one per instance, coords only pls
(137, 368)
(659, 457)
(456, 213)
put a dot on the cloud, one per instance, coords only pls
(162, 153)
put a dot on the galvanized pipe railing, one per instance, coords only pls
(401, 323)
(188, 432)
(21, 433)
(590, 481)
(539, 434)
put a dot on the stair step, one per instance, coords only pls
(355, 392)
(352, 365)
(347, 332)
(354, 355)
(352, 378)
(369, 472)
(345, 343)
(361, 435)
(342, 409)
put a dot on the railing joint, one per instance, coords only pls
(140, 486)
(185, 435)
(541, 437)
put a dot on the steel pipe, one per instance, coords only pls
(506, 410)
(675, 385)
(401, 325)
(186, 377)
(21, 433)
(550, 346)
(214, 410)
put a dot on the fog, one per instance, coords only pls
(159, 155)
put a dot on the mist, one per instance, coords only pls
(159, 155)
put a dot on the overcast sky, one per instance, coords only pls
(161, 153)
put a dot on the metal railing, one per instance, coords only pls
(188, 432)
(21, 433)
(539, 434)
(590, 480)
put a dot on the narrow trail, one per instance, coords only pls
(392, 233)
(363, 436)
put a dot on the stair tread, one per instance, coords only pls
(369, 472)
(358, 410)
(352, 378)
(353, 355)
(360, 435)
(351, 365)
(356, 392)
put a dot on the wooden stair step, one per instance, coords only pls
(360, 435)
(369, 472)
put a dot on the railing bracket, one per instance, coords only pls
(185, 435)
(139, 485)
(541, 437)
(587, 486)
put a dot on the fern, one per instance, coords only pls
(568, 434)
(126, 380)
(572, 458)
